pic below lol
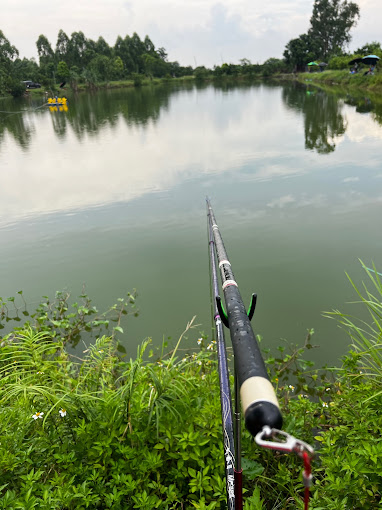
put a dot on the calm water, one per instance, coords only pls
(112, 194)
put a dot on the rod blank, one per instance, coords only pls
(225, 392)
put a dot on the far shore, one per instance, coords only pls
(341, 80)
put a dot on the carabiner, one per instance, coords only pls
(265, 438)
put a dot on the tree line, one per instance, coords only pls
(77, 59)
(80, 59)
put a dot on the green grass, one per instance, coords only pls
(344, 79)
(145, 432)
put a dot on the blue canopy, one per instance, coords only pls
(370, 60)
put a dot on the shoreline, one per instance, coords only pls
(347, 81)
(331, 81)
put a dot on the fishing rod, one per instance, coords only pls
(225, 390)
(258, 398)
(262, 414)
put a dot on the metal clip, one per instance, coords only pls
(266, 439)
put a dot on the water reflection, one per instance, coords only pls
(362, 104)
(15, 123)
(366, 104)
(115, 146)
(323, 118)
(89, 113)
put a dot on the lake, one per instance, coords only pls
(111, 194)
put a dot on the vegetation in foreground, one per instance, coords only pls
(96, 430)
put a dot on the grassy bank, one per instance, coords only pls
(329, 79)
(94, 429)
(344, 79)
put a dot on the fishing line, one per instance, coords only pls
(25, 111)
(373, 271)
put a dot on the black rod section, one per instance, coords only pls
(258, 398)
(225, 390)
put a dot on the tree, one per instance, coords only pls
(7, 51)
(149, 45)
(201, 73)
(331, 23)
(136, 50)
(102, 48)
(162, 54)
(62, 46)
(74, 76)
(102, 67)
(77, 49)
(46, 75)
(373, 48)
(26, 69)
(7, 54)
(62, 70)
(121, 49)
(44, 50)
(273, 66)
(117, 68)
(154, 66)
(298, 52)
(89, 53)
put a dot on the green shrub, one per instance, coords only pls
(137, 79)
(92, 429)
(16, 88)
(338, 63)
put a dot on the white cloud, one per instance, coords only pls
(351, 179)
(281, 202)
(203, 30)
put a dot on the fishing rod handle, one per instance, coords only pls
(258, 398)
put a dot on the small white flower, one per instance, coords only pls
(37, 415)
(203, 376)
(200, 340)
(184, 359)
(291, 387)
(210, 347)
(101, 351)
(199, 362)
(62, 412)
(39, 372)
(324, 404)
(327, 389)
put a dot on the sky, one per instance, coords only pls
(194, 32)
